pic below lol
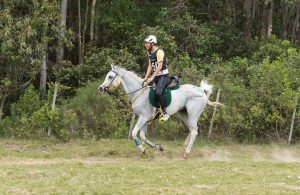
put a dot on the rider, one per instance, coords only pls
(160, 75)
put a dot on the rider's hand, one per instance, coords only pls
(149, 80)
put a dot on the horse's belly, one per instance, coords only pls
(178, 101)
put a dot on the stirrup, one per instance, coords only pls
(163, 117)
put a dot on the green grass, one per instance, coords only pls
(117, 167)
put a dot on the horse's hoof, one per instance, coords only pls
(161, 148)
(144, 152)
(185, 155)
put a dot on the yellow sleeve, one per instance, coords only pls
(160, 55)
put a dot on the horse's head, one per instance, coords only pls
(112, 79)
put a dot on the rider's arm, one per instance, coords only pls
(148, 70)
(159, 67)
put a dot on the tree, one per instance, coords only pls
(267, 14)
(92, 26)
(43, 71)
(62, 27)
(247, 4)
(23, 36)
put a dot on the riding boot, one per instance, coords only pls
(164, 113)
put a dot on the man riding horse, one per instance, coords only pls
(160, 74)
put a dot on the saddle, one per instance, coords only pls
(172, 85)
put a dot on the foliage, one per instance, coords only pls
(96, 63)
(31, 117)
(60, 121)
(197, 40)
(98, 114)
(222, 41)
(264, 110)
(28, 103)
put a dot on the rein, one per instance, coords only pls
(135, 90)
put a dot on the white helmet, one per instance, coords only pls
(151, 39)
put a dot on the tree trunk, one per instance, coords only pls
(79, 33)
(43, 78)
(284, 20)
(292, 123)
(92, 26)
(63, 11)
(266, 27)
(84, 28)
(270, 17)
(53, 104)
(254, 8)
(247, 8)
(295, 24)
(3, 100)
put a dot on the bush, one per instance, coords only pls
(60, 121)
(28, 103)
(98, 114)
(19, 124)
(31, 117)
(272, 48)
(259, 97)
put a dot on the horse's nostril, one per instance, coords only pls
(103, 89)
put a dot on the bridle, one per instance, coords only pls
(117, 74)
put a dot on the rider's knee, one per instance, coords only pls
(158, 93)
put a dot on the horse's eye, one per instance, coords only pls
(110, 77)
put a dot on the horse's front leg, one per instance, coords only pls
(139, 125)
(147, 141)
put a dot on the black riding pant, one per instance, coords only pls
(161, 83)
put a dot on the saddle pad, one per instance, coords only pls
(167, 95)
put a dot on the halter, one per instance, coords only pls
(117, 74)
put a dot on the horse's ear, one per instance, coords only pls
(112, 66)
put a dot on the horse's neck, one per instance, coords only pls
(131, 84)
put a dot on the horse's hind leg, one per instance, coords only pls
(147, 141)
(193, 134)
(184, 117)
(187, 140)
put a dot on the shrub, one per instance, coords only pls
(60, 121)
(27, 104)
(19, 124)
(98, 114)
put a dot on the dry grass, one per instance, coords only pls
(116, 167)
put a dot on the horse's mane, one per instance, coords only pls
(131, 73)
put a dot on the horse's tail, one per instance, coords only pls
(207, 88)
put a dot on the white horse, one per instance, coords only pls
(189, 101)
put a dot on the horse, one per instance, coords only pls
(188, 101)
